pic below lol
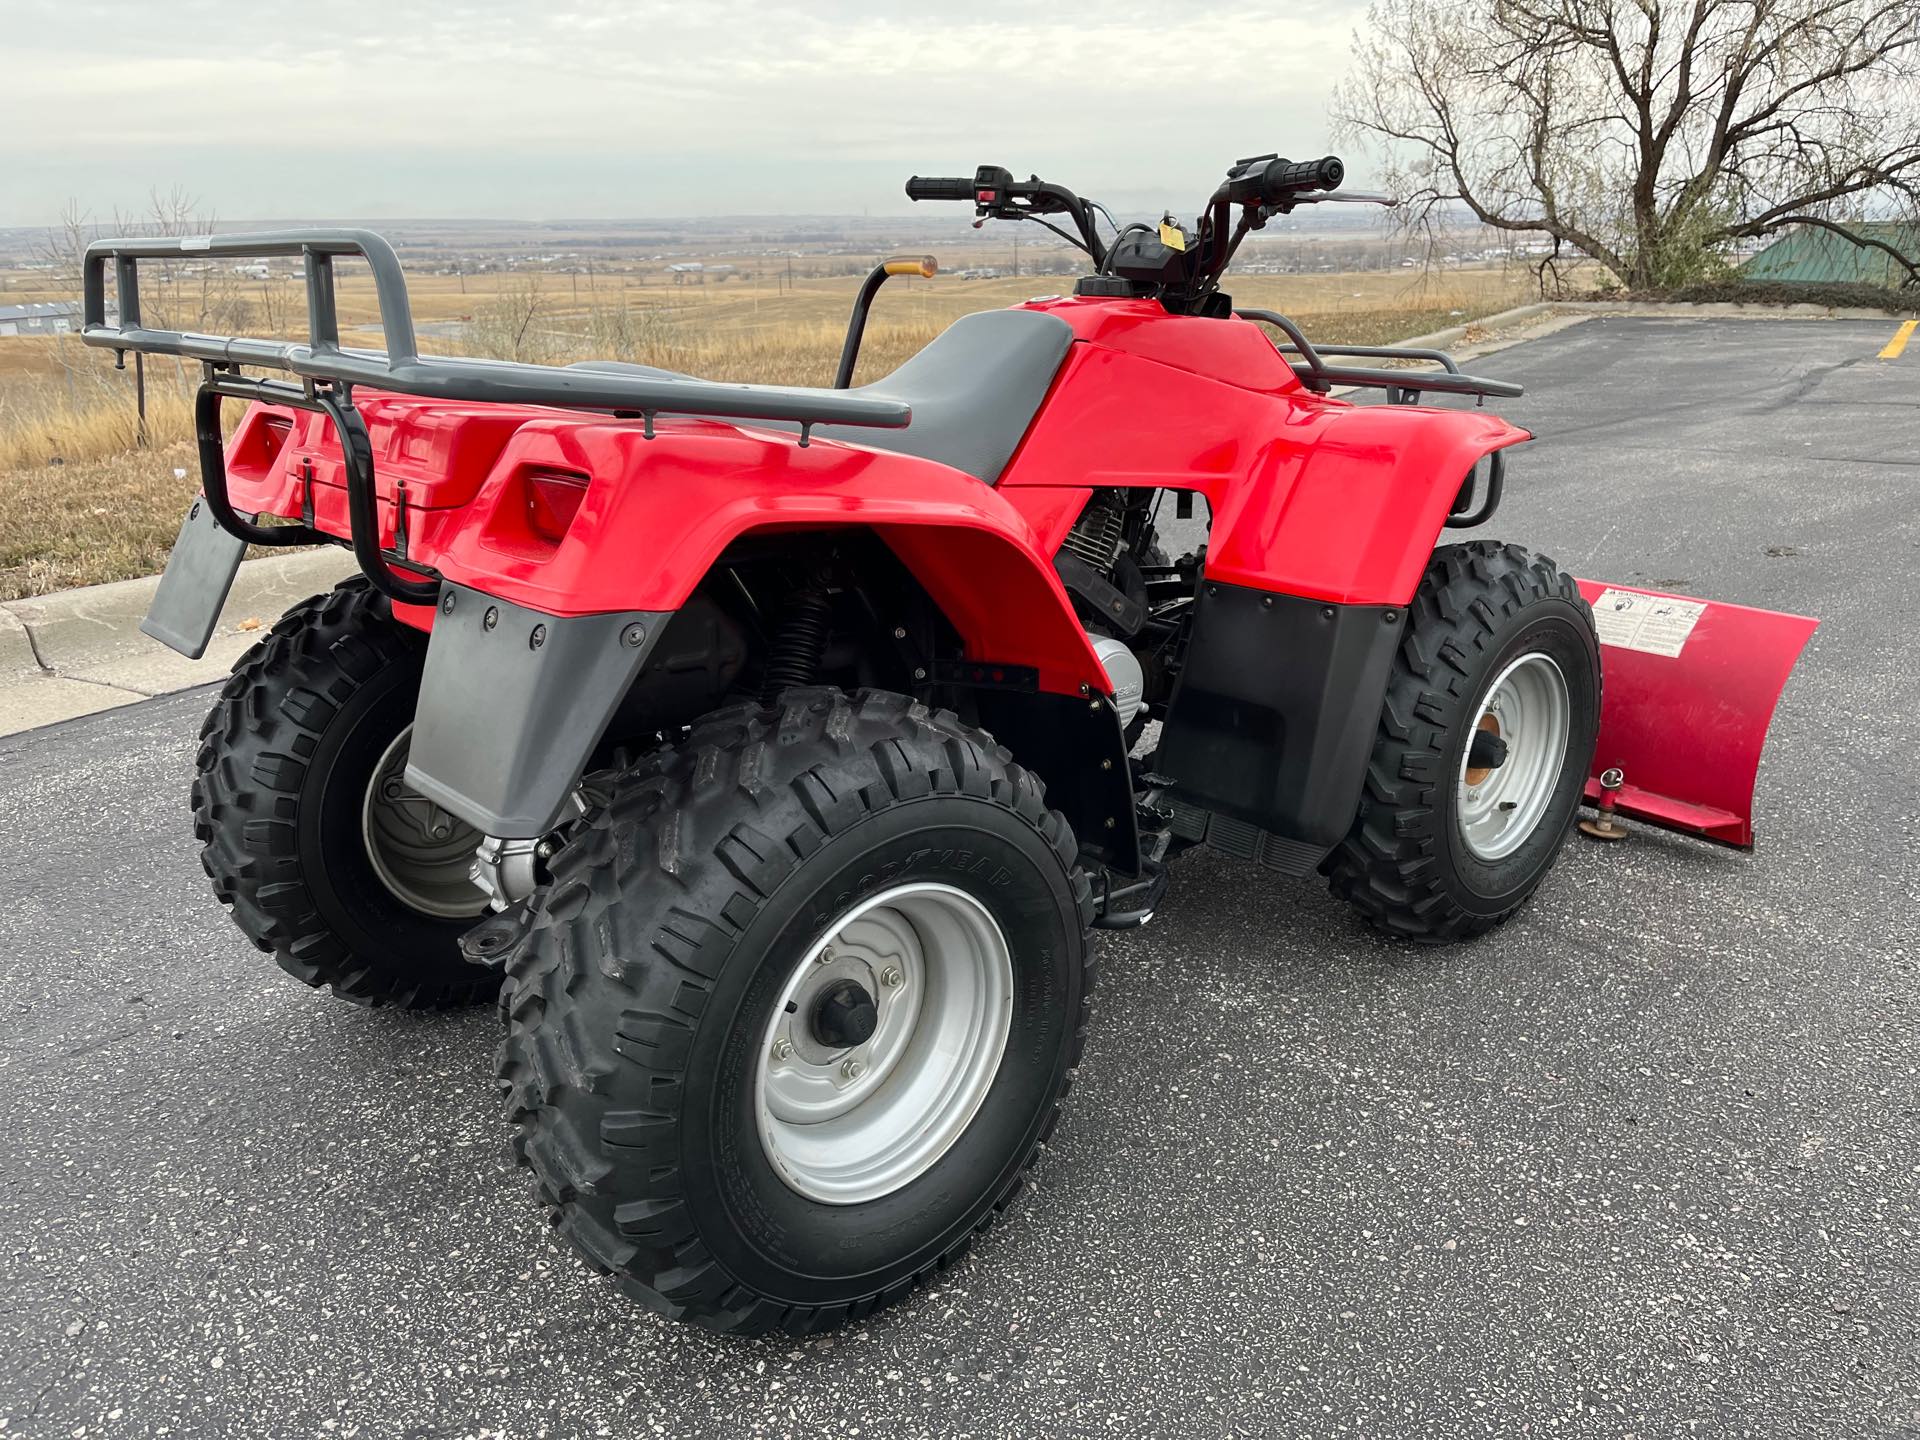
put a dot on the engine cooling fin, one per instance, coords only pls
(1097, 535)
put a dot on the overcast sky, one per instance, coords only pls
(613, 108)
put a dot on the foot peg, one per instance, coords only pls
(498, 938)
(1127, 904)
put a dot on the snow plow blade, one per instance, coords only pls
(1688, 691)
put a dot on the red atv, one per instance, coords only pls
(778, 745)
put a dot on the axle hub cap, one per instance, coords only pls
(883, 1044)
(1509, 771)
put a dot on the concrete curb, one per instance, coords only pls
(75, 652)
(1527, 322)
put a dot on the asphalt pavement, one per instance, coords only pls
(1643, 1163)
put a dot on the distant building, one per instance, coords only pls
(52, 317)
(1805, 253)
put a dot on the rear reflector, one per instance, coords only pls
(553, 499)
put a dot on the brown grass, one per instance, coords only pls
(80, 504)
(84, 524)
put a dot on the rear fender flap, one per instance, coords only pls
(1688, 690)
(513, 702)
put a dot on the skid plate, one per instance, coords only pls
(1688, 690)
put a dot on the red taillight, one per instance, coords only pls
(553, 499)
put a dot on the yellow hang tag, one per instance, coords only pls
(1171, 236)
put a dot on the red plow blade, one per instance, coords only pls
(1688, 691)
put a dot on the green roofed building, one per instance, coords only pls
(1807, 254)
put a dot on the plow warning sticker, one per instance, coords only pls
(1652, 624)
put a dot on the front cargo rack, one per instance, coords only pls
(1403, 387)
(325, 373)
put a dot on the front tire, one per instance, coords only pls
(1499, 664)
(694, 1118)
(329, 862)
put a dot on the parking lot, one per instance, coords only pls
(1645, 1162)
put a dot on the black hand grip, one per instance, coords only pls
(1282, 178)
(940, 187)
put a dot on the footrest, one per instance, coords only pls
(496, 939)
(1121, 903)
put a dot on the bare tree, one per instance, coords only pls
(174, 295)
(64, 245)
(1648, 134)
(504, 326)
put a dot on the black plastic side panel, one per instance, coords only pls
(513, 702)
(1077, 748)
(1275, 711)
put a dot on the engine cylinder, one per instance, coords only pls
(1123, 669)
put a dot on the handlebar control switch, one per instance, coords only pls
(992, 187)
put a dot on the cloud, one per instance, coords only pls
(604, 108)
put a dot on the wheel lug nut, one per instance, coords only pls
(854, 1069)
(782, 1048)
(891, 977)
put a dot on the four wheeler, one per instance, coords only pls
(776, 747)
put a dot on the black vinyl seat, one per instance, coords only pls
(974, 391)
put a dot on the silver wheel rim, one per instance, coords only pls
(1527, 707)
(844, 1126)
(422, 854)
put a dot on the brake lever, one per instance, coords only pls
(1354, 197)
(1264, 213)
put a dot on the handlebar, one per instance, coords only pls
(940, 187)
(1186, 274)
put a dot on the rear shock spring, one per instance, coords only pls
(794, 658)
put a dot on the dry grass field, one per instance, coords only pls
(81, 502)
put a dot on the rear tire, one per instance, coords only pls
(647, 1009)
(308, 719)
(1442, 849)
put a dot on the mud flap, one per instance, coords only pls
(1688, 691)
(513, 701)
(193, 590)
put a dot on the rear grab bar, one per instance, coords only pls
(401, 368)
(325, 373)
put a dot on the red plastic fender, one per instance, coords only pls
(1309, 495)
(658, 513)
(1688, 689)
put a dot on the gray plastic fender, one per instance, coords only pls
(512, 703)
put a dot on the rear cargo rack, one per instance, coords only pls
(325, 373)
(1403, 387)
